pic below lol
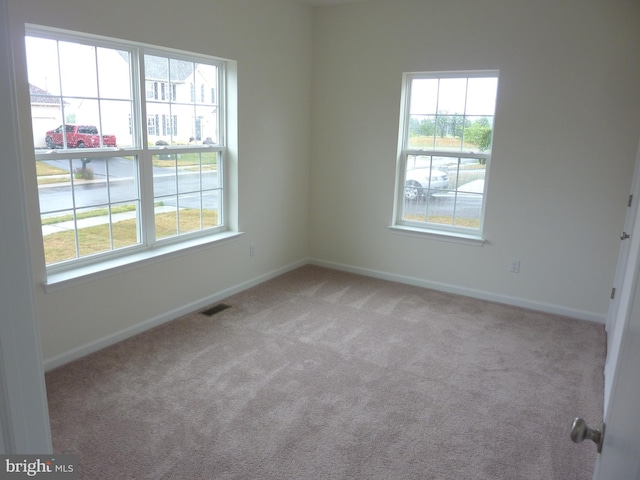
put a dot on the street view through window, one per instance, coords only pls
(447, 138)
(128, 143)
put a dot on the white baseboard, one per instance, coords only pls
(79, 352)
(467, 292)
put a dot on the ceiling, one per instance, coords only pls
(329, 2)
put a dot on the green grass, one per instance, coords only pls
(44, 169)
(209, 160)
(100, 212)
(61, 246)
(49, 174)
(444, 220)
(441, 143)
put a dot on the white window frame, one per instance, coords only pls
(75, 271)
(428, 229)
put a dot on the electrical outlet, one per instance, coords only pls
(252, 250)
(515, 266)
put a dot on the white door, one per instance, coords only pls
(619, 298)
(620, 457)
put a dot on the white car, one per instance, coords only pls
(422, 182)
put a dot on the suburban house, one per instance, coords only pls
(46, 113)
(166, 84)
(314, 107)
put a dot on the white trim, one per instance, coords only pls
(467, 292)
(440, 235)
(24, 416)
(94, 346)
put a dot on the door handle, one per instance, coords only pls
(580, 431)
(624, 236)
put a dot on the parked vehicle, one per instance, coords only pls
(422, 182)
(78, 136)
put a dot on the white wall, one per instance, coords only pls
(567, 126)
(271, 42)
(568, 120)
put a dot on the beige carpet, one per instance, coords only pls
(320, 374)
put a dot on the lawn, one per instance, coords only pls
(444, 220)
(62, 246)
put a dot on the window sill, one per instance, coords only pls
(441, 235)
(82, 274)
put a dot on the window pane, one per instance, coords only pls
(187, 186)
(206, 80)
(58, 235)
(82, 200)
(481, 96)
(449, 130)
(156, 69)
(125, 227)
(182, 76)
(444, 191)
(42, 64)
(191, 90)
(114, 73)
(422, 129)
(122, 174)
(210, 177)
(424, 96)
(70, 97)
(211, 216)
(185, 116)
(189, 213)
(166, 219)
(189, 173)
(423, 178)
(158, 117)
(164, 175)
(115, 117)
(477, 134)
(451, 95)
(206, 125)
(78, 70)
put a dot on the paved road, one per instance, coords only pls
(122, 187)
(466, 205)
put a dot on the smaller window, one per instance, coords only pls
(445, 150)
(151, 126)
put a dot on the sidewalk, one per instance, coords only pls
(94, 221)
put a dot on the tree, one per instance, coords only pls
(479, 133)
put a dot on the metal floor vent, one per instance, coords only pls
(210, 312)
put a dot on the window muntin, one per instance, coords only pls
(187, 193)
(447, 128)
(76, 83)
(178, 78)
(95, 199)
(90, 206)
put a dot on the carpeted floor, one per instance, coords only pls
(320, 374)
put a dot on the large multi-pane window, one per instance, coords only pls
(445, 149)
(126, 157)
